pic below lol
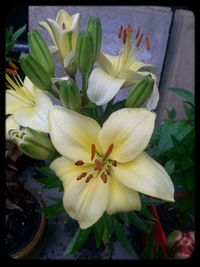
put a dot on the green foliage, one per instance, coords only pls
(53, 210)
(172, 144)
(78, 241)
(50, 180)
(11, 38)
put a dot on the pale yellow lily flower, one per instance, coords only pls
(115, 72)
(103, 169)
(63, 32)
(28, 105)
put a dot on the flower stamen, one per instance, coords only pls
(90, 176)
(108, 152)
(139, 40)
(114, 163)
(79, 163)
(12, 65)
(83, 174)
(120, 31)
(138, 32)
(104, 177)
(63, 26)
(124, 36)
(93, 151)
(147, 42)
(12, 72)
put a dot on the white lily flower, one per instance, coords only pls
(103, 169)
(115, 72)
(28, 105)
(63, 32)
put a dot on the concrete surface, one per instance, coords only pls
(179, 63)
(153, 21)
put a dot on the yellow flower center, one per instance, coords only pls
(102, 166)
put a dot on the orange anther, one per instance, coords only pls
(108, 170)
(90, 176)
(104, 177)
(12, 65)
(139, 40)
(83, 174)
(129, 30)
(138, 32)
(93, 151)
(12, 72)
(120, 31)
(108, 152)
(147, 42)
(114, 163)
(124, 36)
(79, 163)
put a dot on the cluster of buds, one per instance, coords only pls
(180, 245)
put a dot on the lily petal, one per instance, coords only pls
(130, 76)
(82, 201)
(10, 125)
(72, 134)
(53, 49)
(122, 198)
(146, 176)
(129, 130)
(64, 17)
(104, 62)
(36, 116)
(102, 87)
(46, 26)
(14, 102)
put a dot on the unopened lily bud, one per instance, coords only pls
(94, 26)
(41, 51)
(85, 52)
(180, 245)
(70, 95)
(34, 144)
(140, 92)
(35, 72)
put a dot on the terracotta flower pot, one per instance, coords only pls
(32, 246)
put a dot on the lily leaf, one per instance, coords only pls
(98, 231)
(53, 210)
(78, 241)
(121, 236)
(187, 96)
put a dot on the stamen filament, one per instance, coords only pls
(108, 152)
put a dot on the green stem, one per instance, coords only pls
(109, 104)
(84, 88)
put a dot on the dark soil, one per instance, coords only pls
(21, 224)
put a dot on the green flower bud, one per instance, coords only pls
(94, 26)
(41, 51)
(140, 92)
(85, 52)
(35, 72)
(70, 95)
(34, 144)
